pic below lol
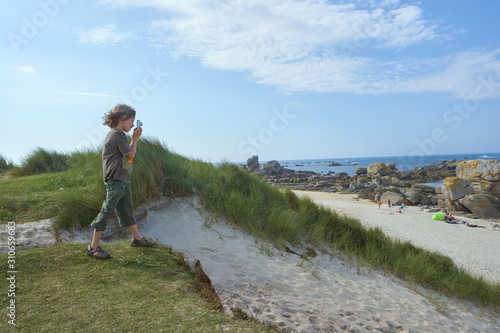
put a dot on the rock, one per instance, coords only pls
(439, 189)
(433, 199)
(486, 169)
(412, 195)
(402, 183)
(455, 188)
(261, 172)
(378, 168)
(451, 205)
(424, 200)
(393, 197)
(253, 163)
(484, 205)
(273, 166)
(370, 185)
(485, 186)
(356, 186)
(391, 166)
(361, 171)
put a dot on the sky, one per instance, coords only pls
(281, 79)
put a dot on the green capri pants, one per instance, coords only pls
(119, 199)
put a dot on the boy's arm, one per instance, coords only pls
(135, 136)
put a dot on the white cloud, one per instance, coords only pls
(314, 45)
(27, 69)
(461, 75)
(107, 35)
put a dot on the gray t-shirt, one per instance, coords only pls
(114, 162)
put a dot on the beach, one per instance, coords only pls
(474, 249)
(326, 293)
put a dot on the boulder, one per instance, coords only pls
(455, 188)
(484, 205)
(370, 185)
(361, 171)
(393, 197)
(253, 163)
(451, 205)
(485, 186)
(391, 166)
(356, 186)
(412, 195)
(273, 166)
(485, 169)
(425, 200)
(379, 168)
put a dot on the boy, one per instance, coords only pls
(117, 157)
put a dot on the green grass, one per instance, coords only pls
(5, 164)
(60, 289)
(275, 216)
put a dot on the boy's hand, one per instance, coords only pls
(137, 133)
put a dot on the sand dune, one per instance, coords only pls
(324, 294)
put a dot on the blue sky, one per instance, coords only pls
(283, 79)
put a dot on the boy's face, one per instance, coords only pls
(128, 124)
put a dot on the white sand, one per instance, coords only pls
(475, 249)
(323, 295)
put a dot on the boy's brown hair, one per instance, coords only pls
(115, 114)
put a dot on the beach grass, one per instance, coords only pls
(273, 215)
(5, 164)
(59, 289)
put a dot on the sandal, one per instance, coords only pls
(144, 242)
(98, 253)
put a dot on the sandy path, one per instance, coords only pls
(475, 249)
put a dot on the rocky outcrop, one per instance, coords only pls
(361, 171)
(485, 169)
(379, 168)
(374, 181)
(392, 197)
(455, 188)
(252, 163)
(475, 189)
(484, 205)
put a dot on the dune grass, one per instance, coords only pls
(138, 290)
(5, 164)
(272, 214)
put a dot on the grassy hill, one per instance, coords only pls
(139, 290)
(70, 187)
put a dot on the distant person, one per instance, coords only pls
(389, 203)
(379, 204)
(117, 157)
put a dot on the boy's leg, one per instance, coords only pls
(113, 196)
(125, 211)
(126, 218)
(96, 238)
(135, 232)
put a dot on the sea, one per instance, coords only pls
(349, 165)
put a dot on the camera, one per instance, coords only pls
(139, 123)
